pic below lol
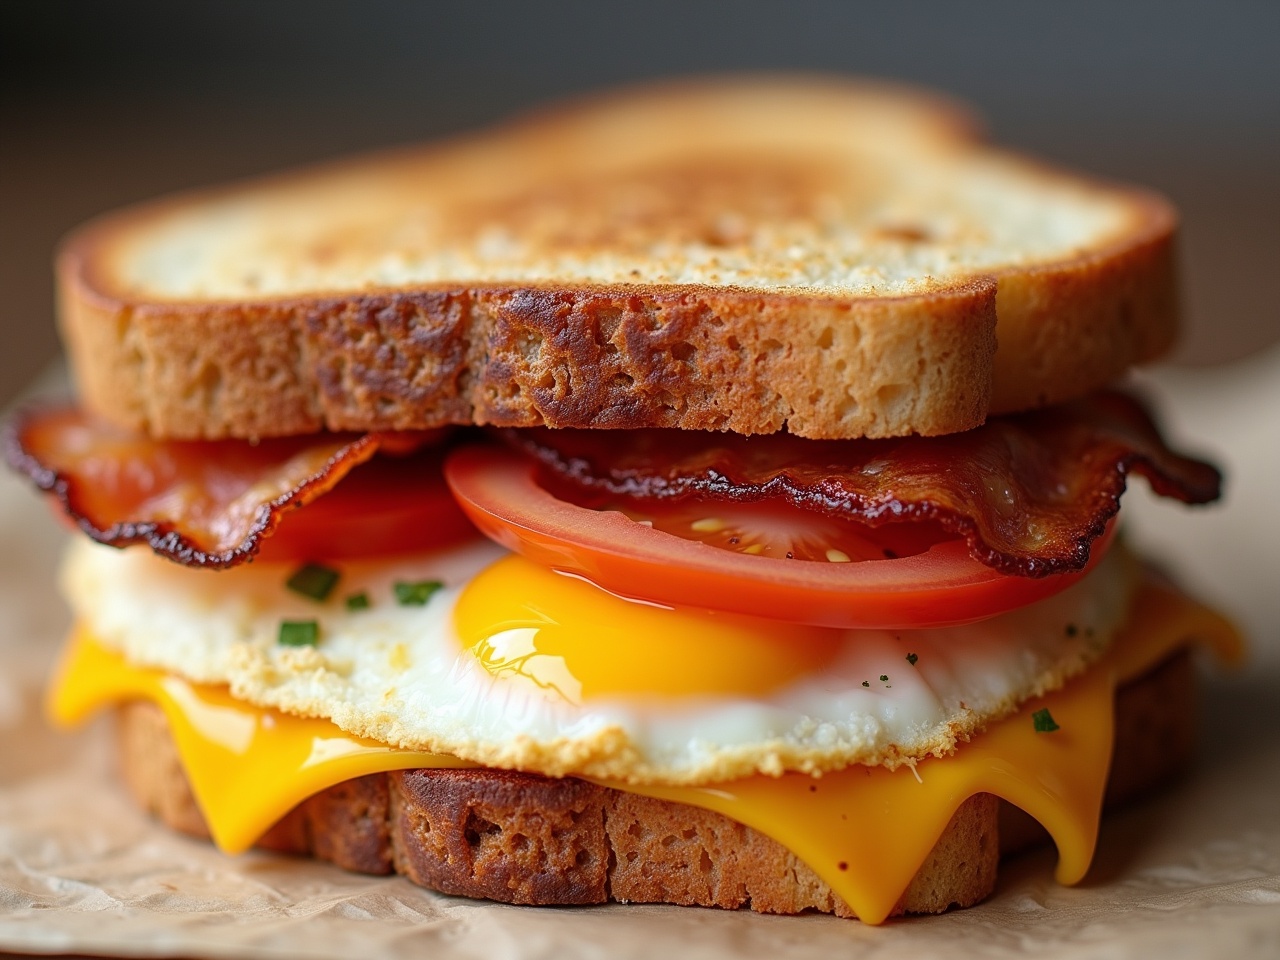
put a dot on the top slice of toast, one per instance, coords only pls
(835, 258)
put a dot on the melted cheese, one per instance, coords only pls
(864, 830)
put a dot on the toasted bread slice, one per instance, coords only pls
(830, 257)
(522, 838)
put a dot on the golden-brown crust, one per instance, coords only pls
(522, 838)
(694, 358)
(567, 350)
(948, 118)
(1071, 327)
(499, 835)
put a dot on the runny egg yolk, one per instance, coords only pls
(574, 639)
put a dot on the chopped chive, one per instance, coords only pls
(358, 601)
(416, 594)
(866, 683)
(314, 581)
(299, 633)
(912, 658)
(1044, 722)
(884, 677)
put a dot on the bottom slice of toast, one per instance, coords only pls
(526, 839)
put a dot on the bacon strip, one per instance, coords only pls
(1029, 492)
(203, 504)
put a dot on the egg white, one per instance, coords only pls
(399, 674)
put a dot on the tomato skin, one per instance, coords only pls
(943, 586)
(388, 506)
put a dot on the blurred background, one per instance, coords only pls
(103, 104)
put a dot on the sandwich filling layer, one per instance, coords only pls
(249, 766)
(512, 665)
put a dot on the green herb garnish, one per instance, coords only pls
(299, 633)
(866, 683)
(912, 658)
(314, 581)
(358, 601)
(416, 594)
(884, 678)
(1044, 722)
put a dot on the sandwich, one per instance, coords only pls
(701, 494)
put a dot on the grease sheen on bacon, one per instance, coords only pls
(1028, 492)
(200, 503)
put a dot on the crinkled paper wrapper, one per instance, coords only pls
(1195, 872)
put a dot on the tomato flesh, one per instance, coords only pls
(939, 584)
(390, 505)
(770, 528)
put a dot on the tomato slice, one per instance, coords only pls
(766, 528)
(389, 505)
(938, 584)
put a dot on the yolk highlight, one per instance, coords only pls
(569, 636)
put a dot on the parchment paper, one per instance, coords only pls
(1193, 873)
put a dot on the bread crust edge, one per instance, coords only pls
(602, 357)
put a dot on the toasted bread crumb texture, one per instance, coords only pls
(821, 256)
(522, 838)
(696, 359)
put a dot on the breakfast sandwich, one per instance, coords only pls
(704, 494)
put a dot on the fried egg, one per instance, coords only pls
(512, 665)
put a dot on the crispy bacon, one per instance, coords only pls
(200, 503)
(1028, 492)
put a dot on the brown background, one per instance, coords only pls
(104, 104)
